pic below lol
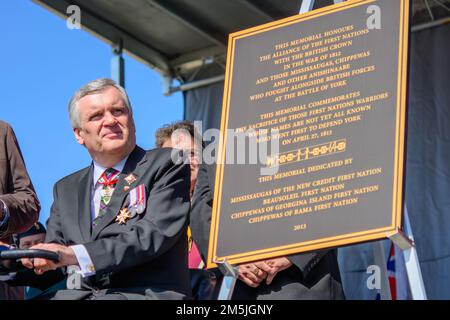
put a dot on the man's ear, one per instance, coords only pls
(78, 135)
(133, 125)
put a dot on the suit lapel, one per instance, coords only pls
(132, 165)
(84, 204)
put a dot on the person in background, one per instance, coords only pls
(36, 235)
(183, 135)
(19, 205)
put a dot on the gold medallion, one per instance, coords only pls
(123, 216)
(130, 179)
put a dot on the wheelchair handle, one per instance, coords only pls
(28, 253)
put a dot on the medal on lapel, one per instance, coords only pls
(137, 200)
(108, 180)
(130, 179)
(123, 216)
(106, 194)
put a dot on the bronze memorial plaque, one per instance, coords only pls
(324, 93)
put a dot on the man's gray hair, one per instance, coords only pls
(92, 87)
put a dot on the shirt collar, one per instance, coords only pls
(98, 169)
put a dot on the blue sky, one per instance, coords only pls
(42, 63)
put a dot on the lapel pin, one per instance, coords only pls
(130, 179)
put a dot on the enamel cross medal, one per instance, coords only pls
(106, 194)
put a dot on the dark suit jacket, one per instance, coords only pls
(147, 256)
(312, 276)
(16, 189)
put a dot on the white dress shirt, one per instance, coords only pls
(87, 268)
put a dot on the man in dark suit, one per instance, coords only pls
(303, 276)
(19, 206)
(122, 219)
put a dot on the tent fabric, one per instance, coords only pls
(427, 182)
(204, 104)
(428, 156)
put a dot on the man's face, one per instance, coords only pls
(29, 241)
(186, 142)
(106, 124)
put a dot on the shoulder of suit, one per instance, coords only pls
(165, 158)
(4, 127)
(4, 124)
(73, 177)
(161, 154)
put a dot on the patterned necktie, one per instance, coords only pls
(108, 180)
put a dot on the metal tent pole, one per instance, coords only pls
(118, 64)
